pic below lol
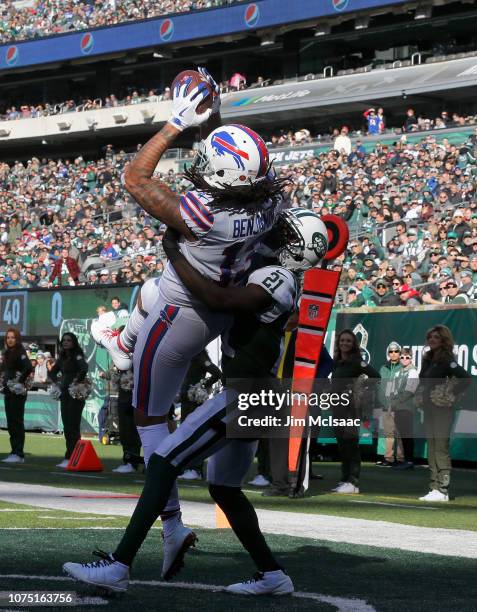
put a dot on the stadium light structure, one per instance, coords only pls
(64, 125)
(423, 11)
(4, 133)
(267, 39)
(361, 23)
(322, 30)
(120, 118)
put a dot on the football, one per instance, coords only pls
(197, 78)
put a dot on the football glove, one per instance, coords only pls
(184, 106)
(215, 89)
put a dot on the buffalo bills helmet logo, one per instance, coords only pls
(224, 144)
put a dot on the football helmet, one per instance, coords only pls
(232, 155)
(306, 239)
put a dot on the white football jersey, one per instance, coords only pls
(282, 285)
(226, 242)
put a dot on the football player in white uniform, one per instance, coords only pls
(262, 309)
(234, 203)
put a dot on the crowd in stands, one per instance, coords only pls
(48, 17)
(411, 209)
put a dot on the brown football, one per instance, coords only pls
(197, 78)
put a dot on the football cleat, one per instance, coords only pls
(110, 340)
(106, 573)
(176, 544)
(264, 583)
(13, 458)
(64, 464)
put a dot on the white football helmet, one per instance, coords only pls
(306, 239)
(232, 155)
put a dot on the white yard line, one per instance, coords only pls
(375, 503)
(341, 604)
(380, 534)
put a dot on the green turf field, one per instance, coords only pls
(385, 494)
(328, 575)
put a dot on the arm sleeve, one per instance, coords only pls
(82, 368)
(25, 367)
(196, 213)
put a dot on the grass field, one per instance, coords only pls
(329, 575)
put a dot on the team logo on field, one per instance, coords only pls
(319, 244)
(87, 43)
(313, 311)
(339, 5)
(166, 29)
(12, 56)
(252, 15)
(224, 144)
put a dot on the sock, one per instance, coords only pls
(129, 334)
(151, 436)
(160, 478)
(243, 519)
(170, 522)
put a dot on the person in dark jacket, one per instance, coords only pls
(15, 367)
(72, 366)
(200, 377)
(348, 365)
(442, 380)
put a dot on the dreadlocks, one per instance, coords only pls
(248, 198)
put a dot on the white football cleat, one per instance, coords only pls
(264, 583)
(190, 475)
(13, 458)
(63, 464)
(109, 339)
(346, 488)
(125, 468)
(435, 496)
(106, 573)
(337, 486)
(259, 481)
(176, 545)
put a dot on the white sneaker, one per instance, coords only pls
(107, 573)
(12, 458)
(63, 464)
(125, 468)
(259, 481)
(337, 486)
(346, 488)
(190, 475)
(109, 339)
(264, 583)
(176, 545)
(435, 496)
